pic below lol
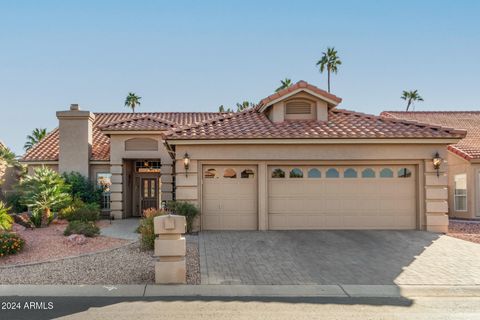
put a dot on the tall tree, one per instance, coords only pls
(330, 62)
(411, 97)
(284, 84)
(34, 138)
(223, 109)
(132, 101)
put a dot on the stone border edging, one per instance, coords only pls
(11, 266)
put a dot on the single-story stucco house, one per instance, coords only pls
(463, 158)
(295, 161)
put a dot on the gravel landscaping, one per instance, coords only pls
(465, 230)
(125, 265)
(44, 244)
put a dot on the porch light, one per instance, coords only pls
(186, 162)
(437, 162)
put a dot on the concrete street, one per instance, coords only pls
(248, 308)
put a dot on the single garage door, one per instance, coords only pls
(337, 197)
(229, 198)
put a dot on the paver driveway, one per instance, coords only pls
(337, 257)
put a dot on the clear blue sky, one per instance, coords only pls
(197, 55)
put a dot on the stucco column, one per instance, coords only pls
(75, 140)
(262, 196)
(116, 191)
(436, 198)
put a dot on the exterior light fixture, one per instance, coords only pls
(437, 162)
(186, 163)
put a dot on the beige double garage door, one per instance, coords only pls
(310, 197)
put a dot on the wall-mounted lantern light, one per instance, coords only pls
(186, 163)
(437, 162)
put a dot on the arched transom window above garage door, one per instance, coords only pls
(340, 172)
(228, 172)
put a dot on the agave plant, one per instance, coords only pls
(6, 220)
(42, 192)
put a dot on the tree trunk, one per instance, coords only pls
(45, 217)
(328, 73)
(408, 104)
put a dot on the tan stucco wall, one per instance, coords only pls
(8, 179)
(119, 191)
(458, 165)
(75, 141)
(431, 201)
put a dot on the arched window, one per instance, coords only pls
(229, 173)
(350, 173)
(386, 173)
(296, 173)
(368, 173)
(404, 173)
(314, 173)
(278, 173)
(332, 173)
(247, 174)
(210, 174)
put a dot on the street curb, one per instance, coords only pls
(152, 290)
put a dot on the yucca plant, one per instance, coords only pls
(6, 220)
(42, 192)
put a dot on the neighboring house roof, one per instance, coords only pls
(252, 124)
(47, 149)
(469, 147)
(300, 85)
(143, 123)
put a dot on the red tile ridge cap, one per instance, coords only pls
(145, 117)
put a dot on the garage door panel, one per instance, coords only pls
(229, 198)
(343, 203)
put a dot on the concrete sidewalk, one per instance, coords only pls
(151, 290)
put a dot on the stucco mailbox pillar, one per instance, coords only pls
(170, 247)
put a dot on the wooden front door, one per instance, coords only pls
(148, 194)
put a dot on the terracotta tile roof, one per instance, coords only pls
(469, 147)
(252, 124)
(47, 149)
(299, 85)
(144, 123)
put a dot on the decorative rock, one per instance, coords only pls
(23, 219)
(77, 239)
(16, 227)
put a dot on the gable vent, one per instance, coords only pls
(298, 107)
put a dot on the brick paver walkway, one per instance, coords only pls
(337, 257)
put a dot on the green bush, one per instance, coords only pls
(6, 220)
(87, 228)
(186, 209)
(14, 202)
(82, 188)
(87, 212)
(147, 234)
(67, 211)
(10, 243)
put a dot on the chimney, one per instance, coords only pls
(75, 135)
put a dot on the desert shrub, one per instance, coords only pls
(67, 211)
(82, 188)
(147, 234)
(186, 209)
(6, 220)
(43, 192)
(87, 228)
(10, 243)
(14, 202)
(87, 212)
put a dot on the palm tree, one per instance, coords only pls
(8, 157)
(132, 101)
(329, 61)
(411, 96)
(284, 84)
(34, 138)
(42, 192)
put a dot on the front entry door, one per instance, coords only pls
(149, 194)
